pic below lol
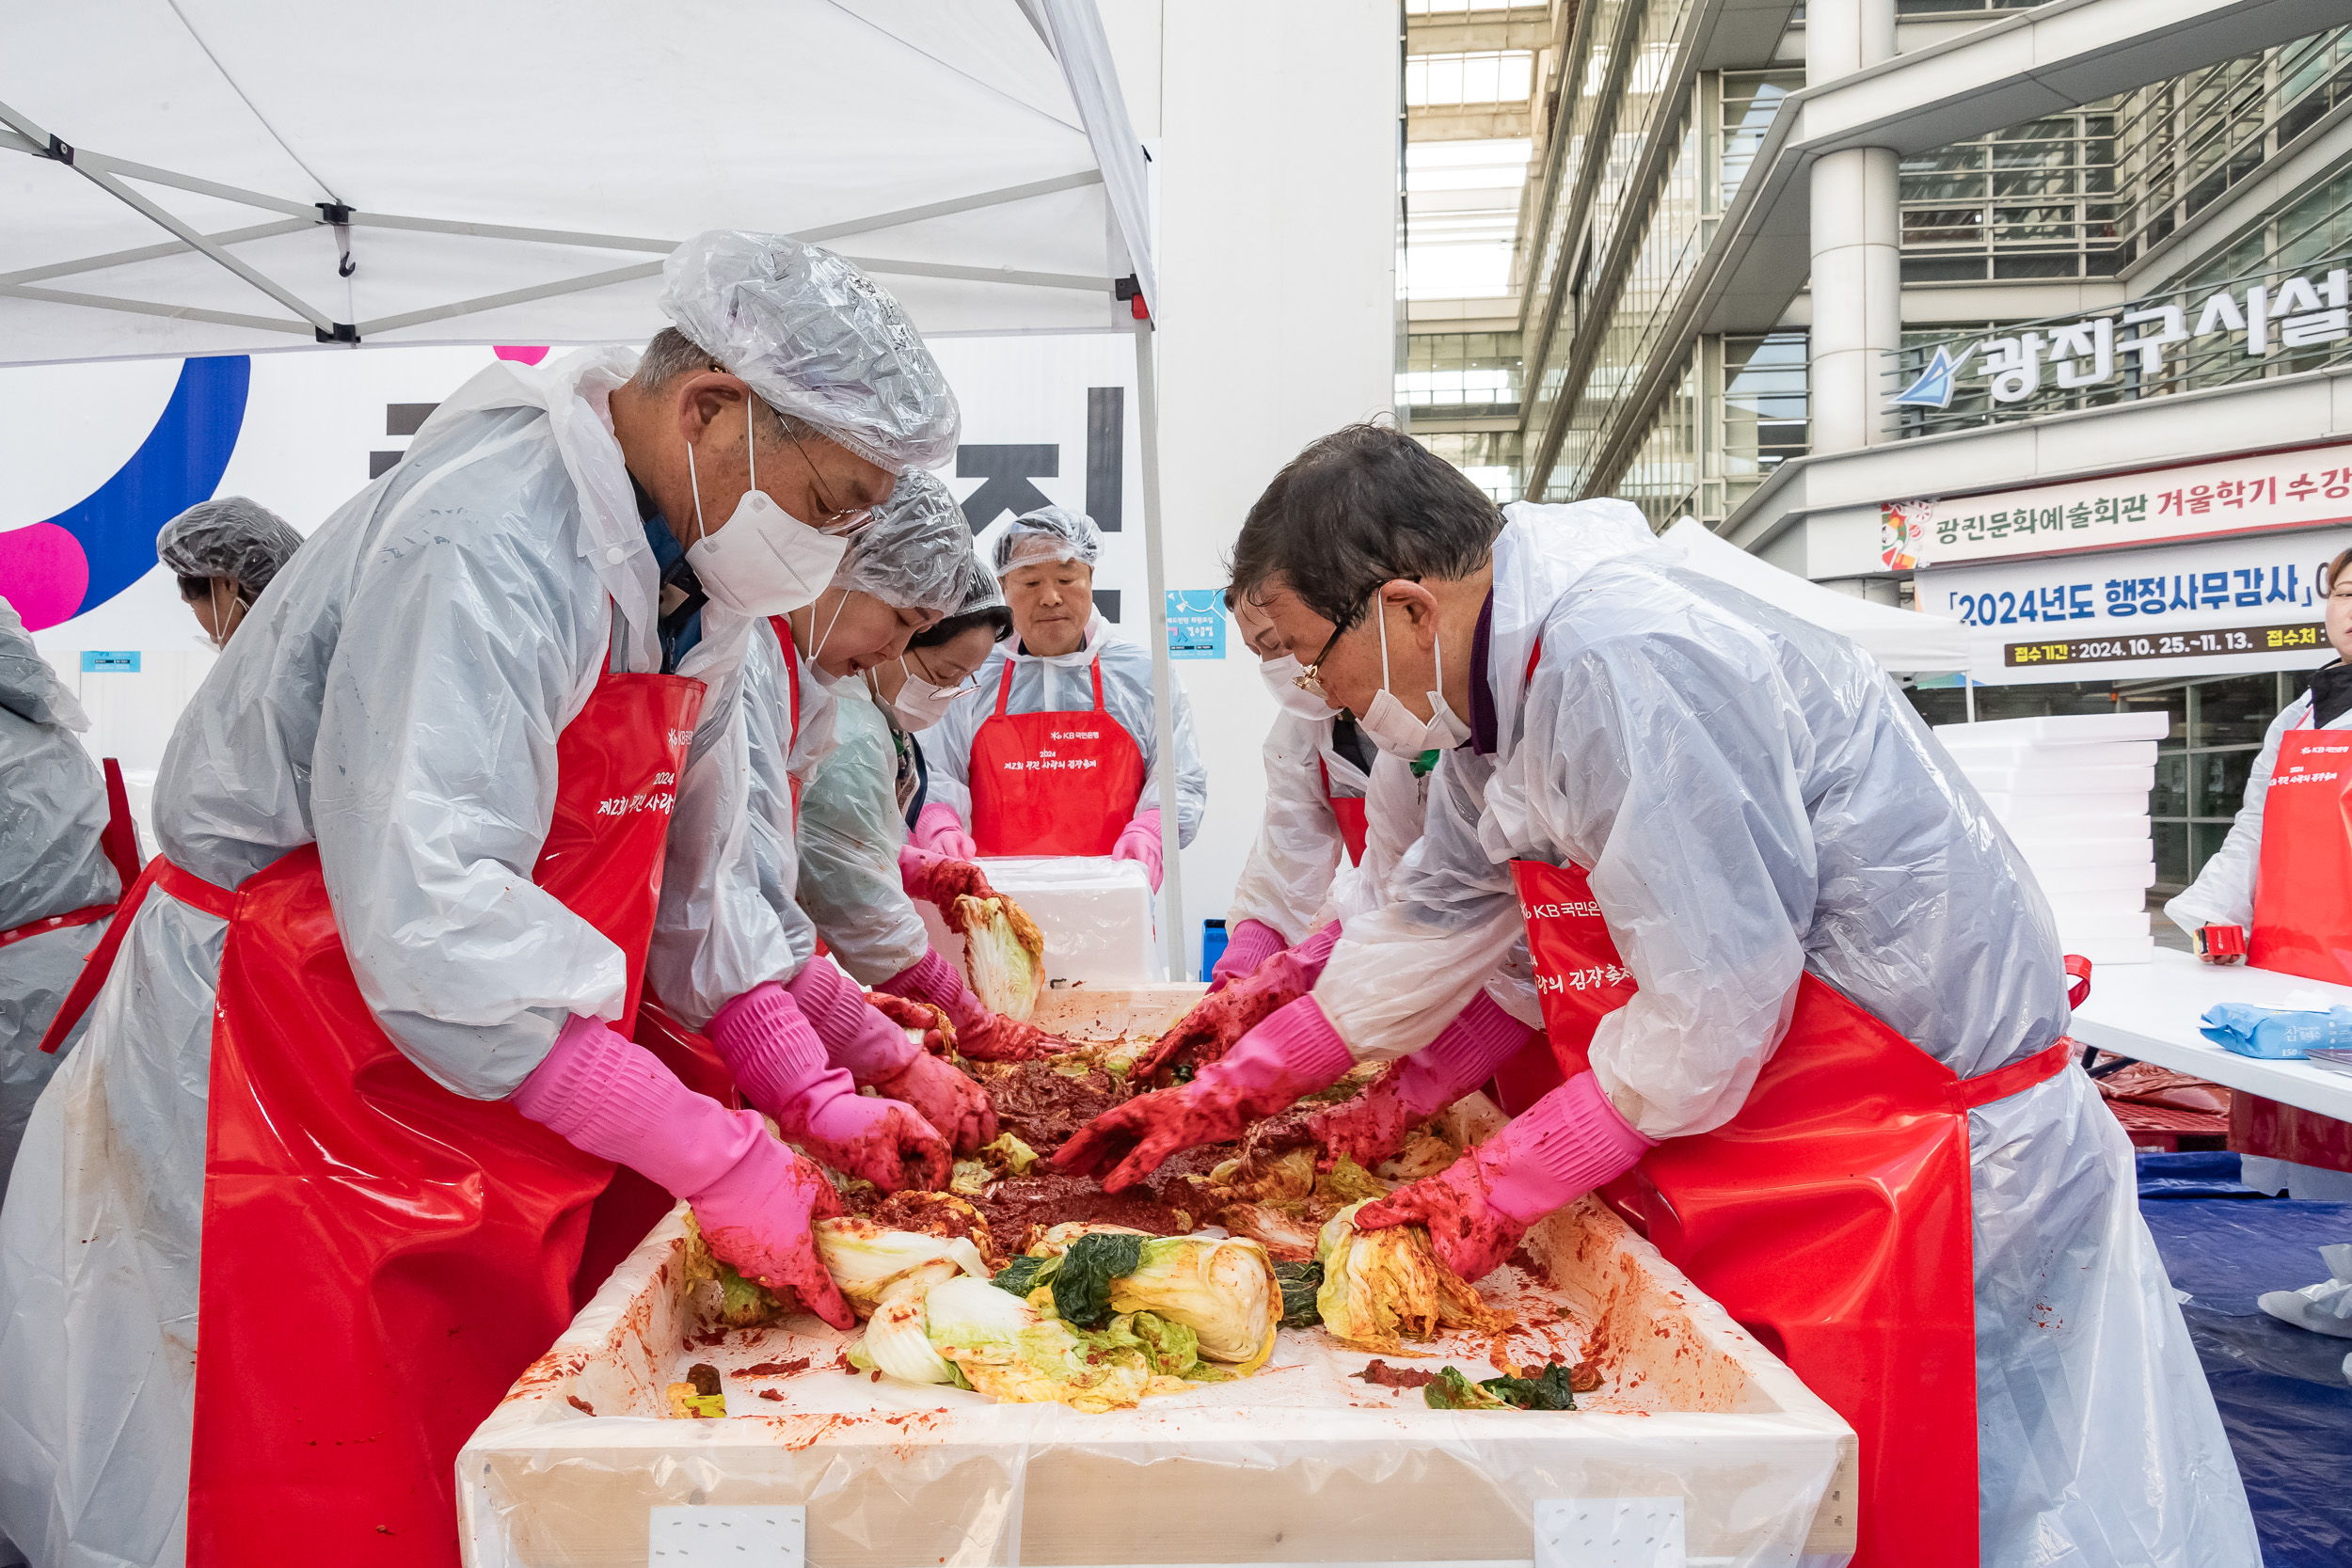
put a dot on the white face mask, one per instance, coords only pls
(919, 703)
(1392, 725)
(1281, 678)
(764, 561)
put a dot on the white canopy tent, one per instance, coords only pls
(1898, 639)
(200, 177)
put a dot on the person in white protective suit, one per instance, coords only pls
(1339, 814)
(1012, 775)
(860, 876)
(58, 885)
(2285, 879)
(225, 552)
(311, 1192)
(1805, 1005)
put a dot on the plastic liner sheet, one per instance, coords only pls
(2282, 1389)
(1692, 1408)
(2207, 1173)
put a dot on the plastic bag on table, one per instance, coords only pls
(2276, 1034)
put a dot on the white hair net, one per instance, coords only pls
(816, 339)
(981, 591)
(1049, 533)
(227, 537)
(918, 550)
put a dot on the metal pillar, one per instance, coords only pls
(1857, 263)
(1178, 945)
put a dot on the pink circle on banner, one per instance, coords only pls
(44, 573)
(521, 354)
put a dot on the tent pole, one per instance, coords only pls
(1179, 947)
(1968, 690)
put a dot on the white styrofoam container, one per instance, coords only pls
(2062, 881)
(2124, 804)
(1095, 913)
(2065, 729)
(2116, 950)
(2110, 779)
(1970, 755)
(2049, 852)
(2095, 903)
(2075, 927)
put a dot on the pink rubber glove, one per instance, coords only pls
(980, 1034)
(940, 880)
(877, 1055)
(1246, 946)
(1139, 841)
(1554, 1152)
(1372, 1126)
(1293, 1052)
(1216, 1023)
(938, 828)
(779, 1062)
(752, 1197)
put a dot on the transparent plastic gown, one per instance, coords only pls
(52, 807)
(395, 695)
(1753, 799)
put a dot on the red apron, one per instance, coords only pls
(792, 694)
(120, 842)
(1052, 783)
(1830, 1217)
(1349, 809)
(2303, 882)
(382, 1258)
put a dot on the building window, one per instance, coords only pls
(1491, 458)
(2034, 200)
(2180, 144)
(1462, 217)
(1461, 374)
(1750, 100)
(1491, 76)
(2203, 765)
(1764, 415)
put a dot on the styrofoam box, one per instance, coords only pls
(2073, 927)
(2067, 880)
(2063, 780)
(2065, 729)
(2066, 903)
(2130, 845)
(2034, 808)
(1095, 914)
(1972, 756)
(1301, 1462)
(2116, 950)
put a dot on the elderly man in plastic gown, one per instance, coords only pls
(311, 1192)
(1012, 776)
(225, 552)
(1806, 1007)
(57, 883)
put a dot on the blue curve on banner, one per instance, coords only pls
(180, 464)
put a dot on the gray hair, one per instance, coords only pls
(672, 353)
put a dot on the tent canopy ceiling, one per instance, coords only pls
(495, 155)
(1901, 640)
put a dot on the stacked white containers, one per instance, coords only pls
(2073, 794)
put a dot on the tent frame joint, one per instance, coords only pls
(343, 332)
(60, 150)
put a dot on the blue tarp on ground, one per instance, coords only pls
(2282, 1389)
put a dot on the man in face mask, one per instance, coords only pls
(1799, 994)
(359, 1063)
(225, 552)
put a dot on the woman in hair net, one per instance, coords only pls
(1012, 776)
(1805, 1007)
(860, 876)
(316, 1183)
(812, 732)
(225, 552)
(59, 870)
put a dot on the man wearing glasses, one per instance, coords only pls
(1805, 1009)
(313, 1189)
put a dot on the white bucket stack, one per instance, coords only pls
(2073, 793)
